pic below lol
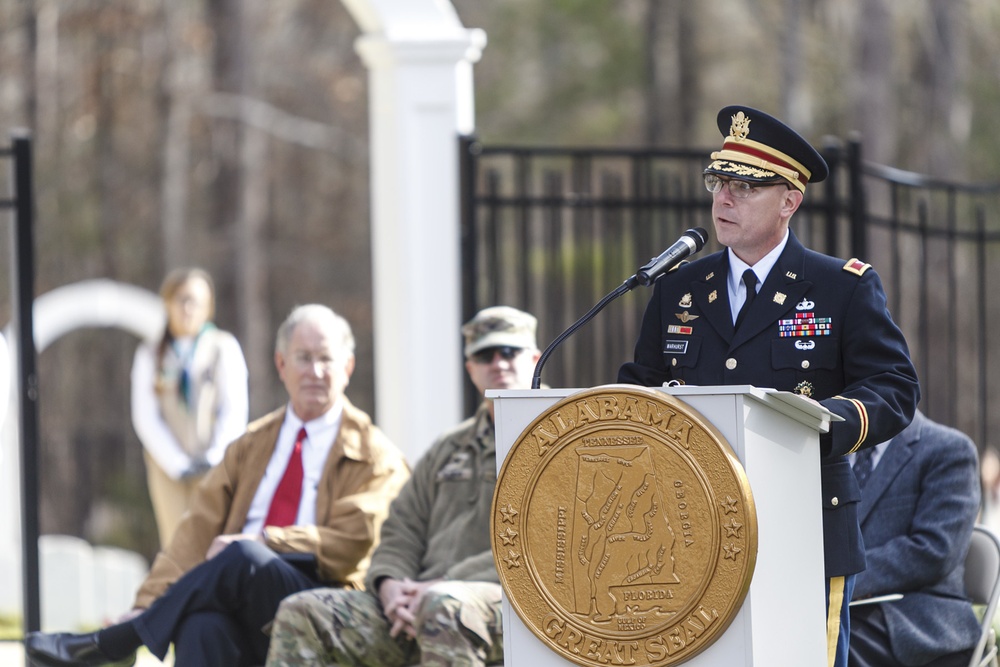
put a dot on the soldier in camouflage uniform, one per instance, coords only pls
(433, 595)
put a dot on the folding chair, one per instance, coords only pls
(982, 584)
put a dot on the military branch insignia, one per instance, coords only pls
(636, 534)
(779, 298)
(713, 296)
(856, 266)
(685, 301)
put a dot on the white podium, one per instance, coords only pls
(775, 435)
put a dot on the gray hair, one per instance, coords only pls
(333, 324)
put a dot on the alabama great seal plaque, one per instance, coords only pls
(624, 529)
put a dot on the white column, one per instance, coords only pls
(421, 98)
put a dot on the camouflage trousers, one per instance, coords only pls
(458, 623)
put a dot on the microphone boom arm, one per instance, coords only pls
(625, 287)
(690, 242)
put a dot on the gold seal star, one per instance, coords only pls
(513, 559)
(507, 536)
(729, 505)
(733, 528)
(508, 513)
(731, 551)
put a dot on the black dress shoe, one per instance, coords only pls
(63, 649)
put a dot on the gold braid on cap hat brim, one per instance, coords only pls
(750, 152)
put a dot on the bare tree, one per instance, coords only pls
(671, 57)
(873, 94)
(949, 109)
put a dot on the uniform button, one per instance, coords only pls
(673, 362)
(835, 501)
(730, 363)
(805, 363)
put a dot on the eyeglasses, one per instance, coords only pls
(737, 188)
(308, 360)
(486, 355)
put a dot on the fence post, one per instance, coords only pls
(856, 204)
(23, 294)
(468, 153)
(833, 154)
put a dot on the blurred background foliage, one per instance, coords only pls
(233, 136)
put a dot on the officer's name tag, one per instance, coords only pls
(675, 346)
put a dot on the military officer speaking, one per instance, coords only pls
(770, 313)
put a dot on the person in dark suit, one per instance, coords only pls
(771, 313)
(297, 502)
(918, 507)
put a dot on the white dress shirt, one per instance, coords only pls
(321, 434)
(737, 267)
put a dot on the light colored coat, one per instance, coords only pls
(363, 473)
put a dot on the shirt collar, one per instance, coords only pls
(326, 420)
(762, 268)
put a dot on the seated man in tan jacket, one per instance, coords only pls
(433, 594)
(296, 503)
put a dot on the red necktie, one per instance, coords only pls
(285, 504)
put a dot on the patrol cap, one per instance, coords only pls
(498, 326)
(760, 148)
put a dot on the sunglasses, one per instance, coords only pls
(486, 355)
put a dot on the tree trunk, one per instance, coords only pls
(874, 98)
(949, 107)
(671, 72)
(177, 98)
(226, 18)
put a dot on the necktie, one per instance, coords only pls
(863, 465)
(285, 504)
(750, 280)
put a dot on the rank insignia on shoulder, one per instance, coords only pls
(856, 266)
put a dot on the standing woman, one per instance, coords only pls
(189, 396)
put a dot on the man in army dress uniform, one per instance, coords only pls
(769, 312)
(433, 595)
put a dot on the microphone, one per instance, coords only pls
(688, 244)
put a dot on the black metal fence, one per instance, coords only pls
(553, 230)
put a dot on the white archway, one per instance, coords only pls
(419, 58)
(83, 305)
